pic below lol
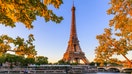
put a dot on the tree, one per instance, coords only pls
(21, 46)
(5, 41)
(92, 64)
(41, 60)
(28, 61)
(25, 48)
(118, 42)
(16, 60)
(11, 59)
(2, 60)
(62, 62)
(25, 11)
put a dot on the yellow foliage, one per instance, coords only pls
(130, 37)
(129, 28)
(21, 11)
(130, 12)
(19, 53)
(30, 56)
(130, 21)
(1, 53)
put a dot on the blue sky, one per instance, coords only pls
(52, 39)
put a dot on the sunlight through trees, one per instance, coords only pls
(25, 11)
(116, 40)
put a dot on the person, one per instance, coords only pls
(26, 72)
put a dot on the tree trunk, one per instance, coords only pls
(129, 62)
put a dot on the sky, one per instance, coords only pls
(51, 39)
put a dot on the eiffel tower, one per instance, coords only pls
(74, 53)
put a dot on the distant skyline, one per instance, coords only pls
(51, 39)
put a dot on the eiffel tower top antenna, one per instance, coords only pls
(73, 2)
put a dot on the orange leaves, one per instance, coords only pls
(119, 41)
(129, 25)
(46, 2)
(130, 37)
(122, 10)
(20, 46)
(111, 23)
(130, 11)
(122, 20)
(25, 11)
(30, 56)
(108, 32)
(104, 50)
(10, 6)
(56, 3)
(19, 53)
(129, 28)
(130, 21)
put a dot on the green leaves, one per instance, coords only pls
(16, 60)
(41, 60)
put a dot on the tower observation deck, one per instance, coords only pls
(74, 53)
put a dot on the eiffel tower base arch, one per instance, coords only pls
(75, 57)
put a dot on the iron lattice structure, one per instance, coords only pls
(74, 53)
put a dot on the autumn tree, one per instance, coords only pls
(108, 46)
(21, 47)
(25, 48)
(5, 42)
(25, 11)
(116, 40)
